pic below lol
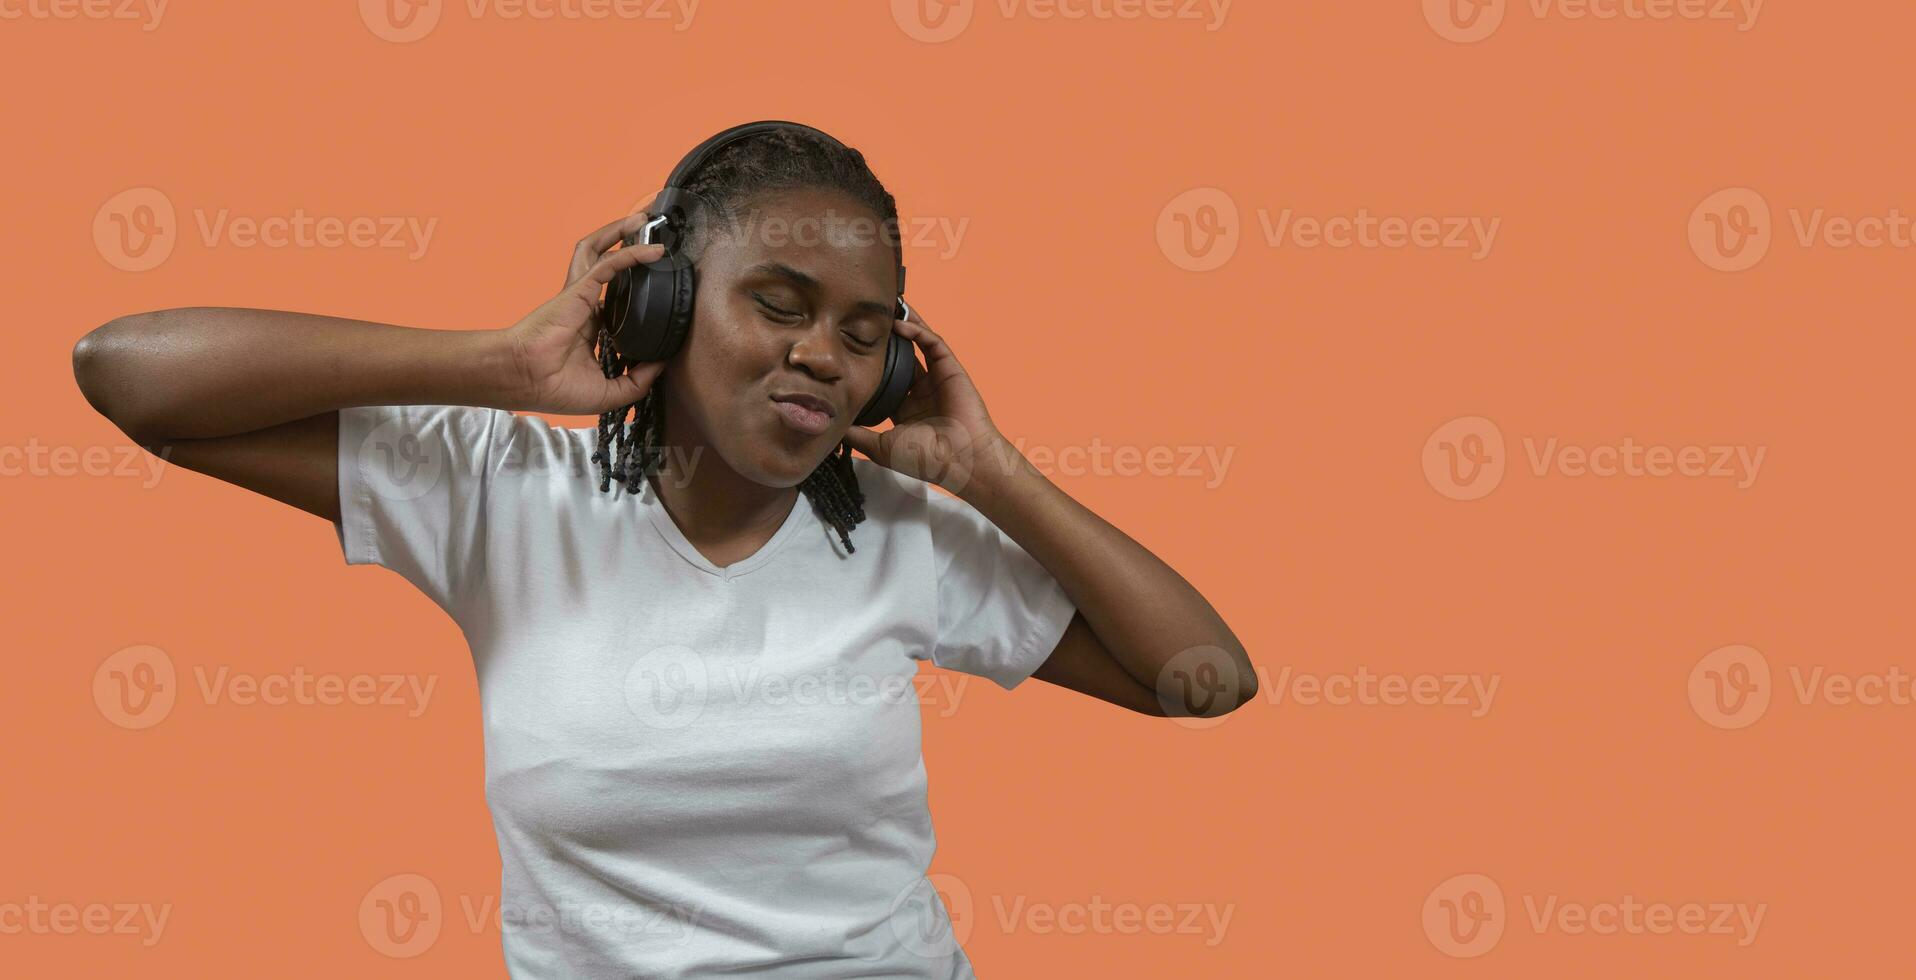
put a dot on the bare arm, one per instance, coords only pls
(203, 373)
(252, 396)
(1142, 637)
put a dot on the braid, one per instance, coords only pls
(723, 188)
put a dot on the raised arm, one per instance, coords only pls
(252, 396)
(1142, 637)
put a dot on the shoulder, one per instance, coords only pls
(892, 498)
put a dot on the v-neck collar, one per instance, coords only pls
(669, 530)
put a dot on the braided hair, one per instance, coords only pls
(726, 185)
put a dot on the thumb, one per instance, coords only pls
(865, 441)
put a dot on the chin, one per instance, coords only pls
(774, 465)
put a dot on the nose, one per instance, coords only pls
(814, 353)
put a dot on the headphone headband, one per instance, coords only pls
(668, 204)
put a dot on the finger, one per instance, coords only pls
(864, 440)
(631, 386)
(940, 359)
(591, 247)
(613, 262)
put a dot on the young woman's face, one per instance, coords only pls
(796, 298)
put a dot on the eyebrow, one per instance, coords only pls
(803, 281)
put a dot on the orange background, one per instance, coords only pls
(1322, 829)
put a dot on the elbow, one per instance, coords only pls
(102, 369)
(1236, 684)
(1207, 682)
(1247, 684)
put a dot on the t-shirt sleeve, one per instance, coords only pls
(1000, 612)
(413, 487)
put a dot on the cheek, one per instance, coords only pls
(720, 350)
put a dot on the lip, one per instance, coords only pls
(804, 413)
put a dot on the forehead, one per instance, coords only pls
(827, 235)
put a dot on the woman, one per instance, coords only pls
(702, 739)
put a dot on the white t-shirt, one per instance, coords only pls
(693, 770)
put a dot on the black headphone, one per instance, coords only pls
(649, 306)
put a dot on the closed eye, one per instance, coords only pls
(774, 312)
(779, 314)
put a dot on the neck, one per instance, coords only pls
(709, 500)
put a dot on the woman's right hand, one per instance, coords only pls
(551, 347)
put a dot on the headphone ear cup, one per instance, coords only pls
(901, 372)
(655, 307)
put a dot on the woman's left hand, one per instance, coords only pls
(941, 433)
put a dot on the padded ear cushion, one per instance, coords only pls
(901, 371)
(685, 281)
(657, 312)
